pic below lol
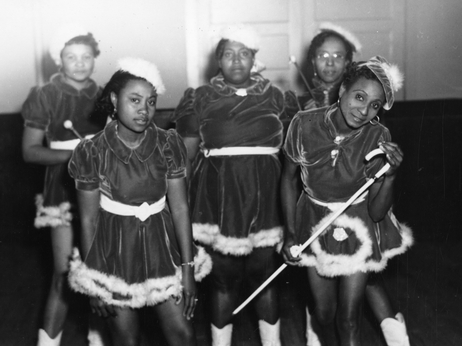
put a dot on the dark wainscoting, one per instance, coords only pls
(428, 191)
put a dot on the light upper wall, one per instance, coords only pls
(431, 43)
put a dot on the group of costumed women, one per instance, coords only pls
(159, 210)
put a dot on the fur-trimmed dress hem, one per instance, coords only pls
(331, 265)
(113, 290)
(52, 216)
(209, 234)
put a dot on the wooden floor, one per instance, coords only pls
(425, 285)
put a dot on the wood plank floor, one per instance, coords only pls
(425, 285)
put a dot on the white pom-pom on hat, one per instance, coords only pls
(354, 41)
(144, 69)
(61, 37)
(242, 33)
(395, 76)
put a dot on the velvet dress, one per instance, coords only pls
(322, 95)
(235, 200)
(131, 263)
(333, 168)
(47, 108)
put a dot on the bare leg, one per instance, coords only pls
(226, 278)
(124, 328)
(351, 293)
(57, 302)
(324, 292)
(259, 265)
(378, 299)
(177, 329)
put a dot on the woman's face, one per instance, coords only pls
(329, 61)
(136, 105)
(78, 62)
(360, 103)
(236, 63)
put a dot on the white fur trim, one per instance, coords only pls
(144, 69)
(202, 264)
(96, 284)
(334, 265)
(343, 32)
(62, 36)
(52, 216)
(241, 33)
(395, 76)
(209, 234)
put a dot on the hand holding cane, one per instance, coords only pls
(68, 125)
(297, 250)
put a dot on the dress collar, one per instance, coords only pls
(259, 85)
(124, 153)
(90, 91)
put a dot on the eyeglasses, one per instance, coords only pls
(326, 56)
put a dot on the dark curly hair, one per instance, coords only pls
(118, 81)
(354, 72)
(88, 40)
(221, 48)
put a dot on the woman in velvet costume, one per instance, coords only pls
(233, 129)
(70, 95)
(136, 234)
(330, 52)
(329, 146)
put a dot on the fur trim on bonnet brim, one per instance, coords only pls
(61, 37)
(389, 76)
(242, 33)
(144, 69)
(354, 41)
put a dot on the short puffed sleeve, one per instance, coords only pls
(185, 117)
(36, 109)
(83, 166)
(379, 161)
(175, 154)
(293, 149)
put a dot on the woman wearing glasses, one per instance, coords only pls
(330, 53)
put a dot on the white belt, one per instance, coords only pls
(333, 206)
(231, 151)
(67, 145)
(142, 212)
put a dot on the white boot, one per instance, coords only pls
(97, 332)
(270, 333)
(45, 340)
(394, 331)
(222, 337)
(311, 337)
(95, 337)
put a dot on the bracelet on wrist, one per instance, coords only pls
(191, 264)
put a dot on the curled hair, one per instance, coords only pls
(320, 38)
(221, 49)
(118, 81)
(354, 72)
(88, 40)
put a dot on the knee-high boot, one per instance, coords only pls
(45, 340)
(394, 331)
(270, 333)
(311, 336)
(222, 336)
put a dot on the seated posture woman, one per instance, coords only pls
(329, 146)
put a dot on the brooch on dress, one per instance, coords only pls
(340, 234)
(241, 92)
